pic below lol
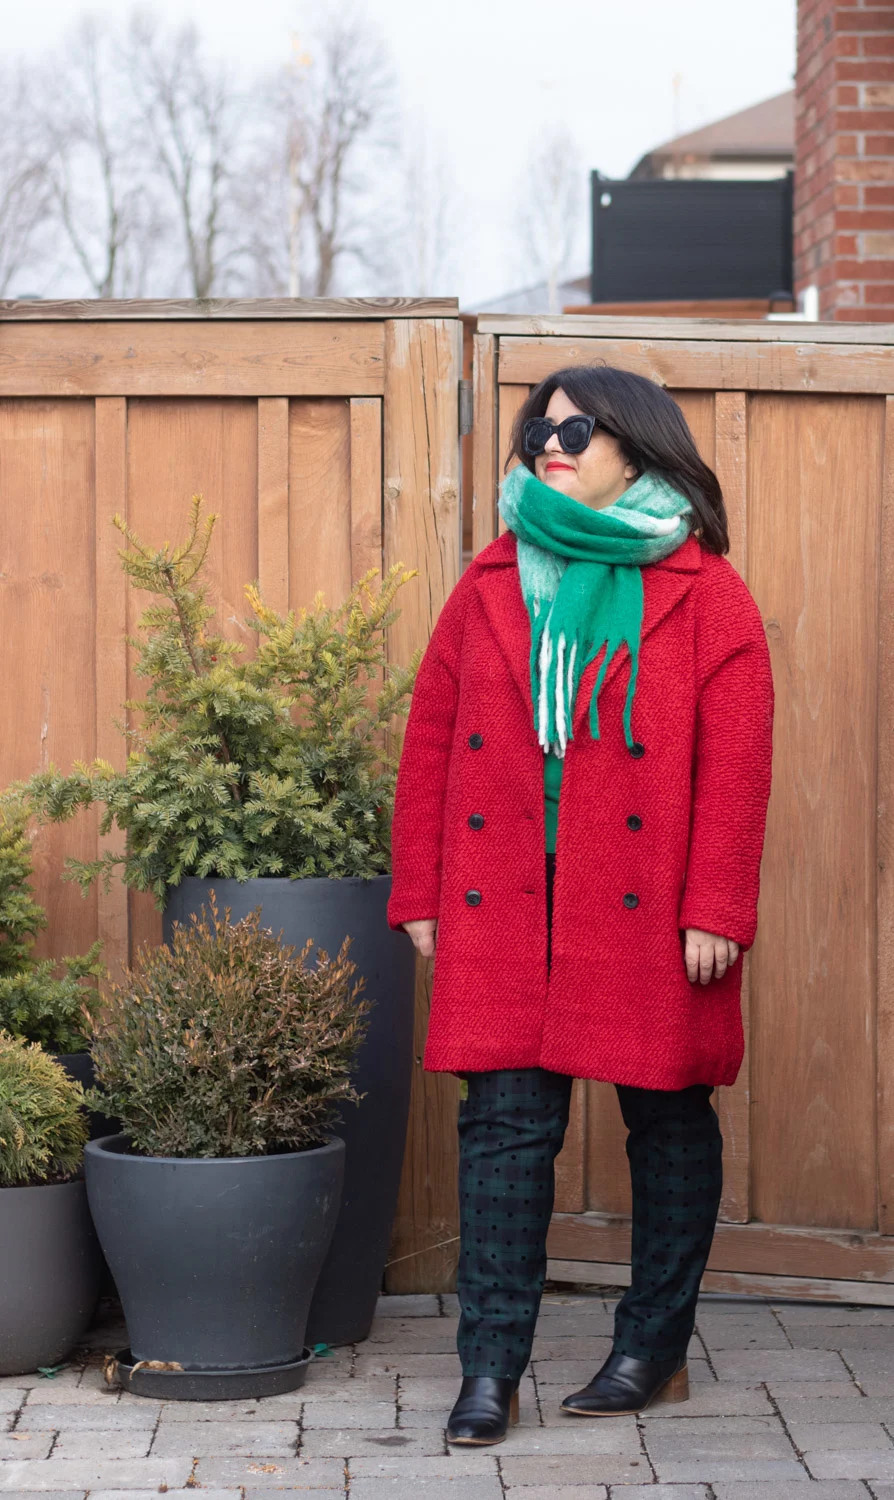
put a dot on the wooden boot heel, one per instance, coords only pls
(676, 1389)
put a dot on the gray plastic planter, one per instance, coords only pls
(374, 1131)
(50, 1274)
(79, 1066)
(215, 1259)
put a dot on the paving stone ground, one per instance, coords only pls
(788, 1400)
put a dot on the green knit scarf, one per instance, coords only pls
(581, 581)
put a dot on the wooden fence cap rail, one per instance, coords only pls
(591, 325)
(93, 309)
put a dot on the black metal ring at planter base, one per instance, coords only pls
(210, 1385)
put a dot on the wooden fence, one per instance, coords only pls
(324, 433)
(798, 421)
(327, 436)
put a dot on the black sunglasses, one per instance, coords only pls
(574, 433)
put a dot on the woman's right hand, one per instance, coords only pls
(423, 933)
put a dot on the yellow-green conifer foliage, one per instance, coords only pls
(242, 764)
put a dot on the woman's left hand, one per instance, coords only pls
(707, 952)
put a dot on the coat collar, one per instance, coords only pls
(665, 584)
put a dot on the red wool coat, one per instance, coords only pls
(617, 1003)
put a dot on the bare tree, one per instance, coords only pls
(24, 189)
(551, 211)
(327, 143)
(428, 217)
(191, 110)
(98, 175)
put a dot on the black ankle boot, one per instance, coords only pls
(486, 1407)
(625, 1385)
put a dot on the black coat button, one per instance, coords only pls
(634, 822)
(637, 749)
(476, 741)
(630, 899)
(476, 820)
(473, 898)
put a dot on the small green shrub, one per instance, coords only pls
(43, 1128)
(244, 766)
(226, 1043)
(36, 1002)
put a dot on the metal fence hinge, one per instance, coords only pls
(465, 407)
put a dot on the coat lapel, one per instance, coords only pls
(665, 585)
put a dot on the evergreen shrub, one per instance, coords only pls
(43, 1129)
(244, 765)
(36, 1002)
(226, 1043)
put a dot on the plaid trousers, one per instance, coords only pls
(511, 1128)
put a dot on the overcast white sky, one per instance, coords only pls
(485, 77)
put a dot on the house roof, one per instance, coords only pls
(765, 129)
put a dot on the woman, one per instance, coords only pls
(615, 956)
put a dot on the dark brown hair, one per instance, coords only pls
(651, 429)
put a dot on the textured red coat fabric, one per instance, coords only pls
(617, 1003)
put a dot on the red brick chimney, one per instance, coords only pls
(844, 158)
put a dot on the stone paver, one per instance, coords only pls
(255, 1474)
(93, 1474)
(346, 1442)
(782, 1396)
(824, 1489)
(273, 1439)
(874, 1463)
(471, 1487)
(28, 1444)
(645, 1492)
(121, 1443)
(577, 1492)
(553, 1470)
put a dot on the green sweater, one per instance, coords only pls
(552, 781)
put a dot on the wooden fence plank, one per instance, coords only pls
(47, 630)
(698, 409)
(191, 359)
(885, 838)
(769, 1249)
(111, 652)
(736, 1284)
(176, 449)
(484, 453)
(423, 529)
(672, 330)
(207, 309)
(366, 485)
(571, 1162)
(273, 501)
(511, 398)
(734, 1104)
(717, 365)
(811, 557)
(608, 1170)
(319, 501)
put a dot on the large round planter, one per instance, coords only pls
(50, 1280)
(215, 1259)
(79, 1066)
(374, 1131)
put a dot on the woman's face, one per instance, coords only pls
(598, 476)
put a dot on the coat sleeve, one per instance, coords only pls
(418, 822)
(732, 764)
